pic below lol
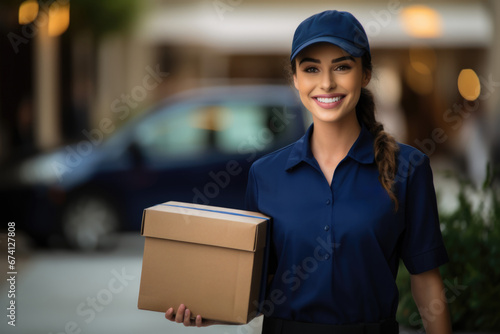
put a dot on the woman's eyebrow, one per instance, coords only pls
(312, 60)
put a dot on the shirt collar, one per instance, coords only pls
(361, 151)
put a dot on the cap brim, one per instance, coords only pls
(349, 47)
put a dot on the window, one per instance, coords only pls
(251, 126)
(227, 128)
(173, 135)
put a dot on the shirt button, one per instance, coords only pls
(327, 228)
(327, 256)
(328, 202)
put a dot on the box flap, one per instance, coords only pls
(202, 224)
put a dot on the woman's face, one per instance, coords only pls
(329, 82)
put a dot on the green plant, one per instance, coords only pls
(103, 17)
(472, 277)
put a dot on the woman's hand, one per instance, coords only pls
(183, 315)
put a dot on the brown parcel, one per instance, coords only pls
(207, 257)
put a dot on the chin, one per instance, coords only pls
(330, 116)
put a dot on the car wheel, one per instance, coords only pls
(90, 222)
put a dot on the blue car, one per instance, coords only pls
(194, 147)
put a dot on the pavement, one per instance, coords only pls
(67, 292)
(60, 291)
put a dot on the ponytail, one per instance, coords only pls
(385, 146)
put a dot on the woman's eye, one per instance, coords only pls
(311, 70)
(343, 68)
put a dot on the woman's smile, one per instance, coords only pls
(329, 101)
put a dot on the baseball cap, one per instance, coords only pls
(339, 28)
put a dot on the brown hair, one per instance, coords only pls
(385, 146)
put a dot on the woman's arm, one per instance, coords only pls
(429, 295)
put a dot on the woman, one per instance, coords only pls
(347, 202)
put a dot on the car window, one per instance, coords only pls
(168, 135)
(229, 128)
(239, 123)
(251, 127)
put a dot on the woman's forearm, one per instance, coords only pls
(429, 295)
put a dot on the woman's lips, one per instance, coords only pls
(328, 102)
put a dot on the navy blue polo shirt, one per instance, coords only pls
(335, 250)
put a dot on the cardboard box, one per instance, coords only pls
(208, 258)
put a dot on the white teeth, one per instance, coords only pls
(329, 100)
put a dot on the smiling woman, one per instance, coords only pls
(338, 183)
(329, 83)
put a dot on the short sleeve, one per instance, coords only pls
(422, 246)
(251, 192)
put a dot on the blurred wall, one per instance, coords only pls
(65, 86)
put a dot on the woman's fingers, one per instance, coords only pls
(179, 316)
(183, 315)
(199, 321)
(187, 318)
(169, 315)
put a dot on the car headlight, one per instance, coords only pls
(41, 170)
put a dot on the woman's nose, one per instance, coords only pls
(328, 81)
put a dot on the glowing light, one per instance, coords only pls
(421, 67)
(28, 11)
(469, 85)
(423, 59)
(58, 19)
(421, 21)
(419, 81)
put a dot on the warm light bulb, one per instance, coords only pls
(28, 11)
(421, 21)
(58, 19)
(469, 85)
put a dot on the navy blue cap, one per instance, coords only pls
(339, 28)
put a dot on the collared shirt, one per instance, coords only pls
(335, 250)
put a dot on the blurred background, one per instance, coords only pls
(108, 107)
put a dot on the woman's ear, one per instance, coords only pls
(367, 75)
(295, 83)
